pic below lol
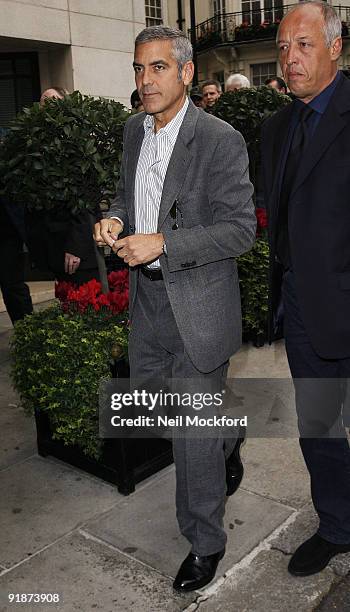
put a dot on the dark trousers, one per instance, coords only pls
(15, 292)
(320, 391)
(157, 350)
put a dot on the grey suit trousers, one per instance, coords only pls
(156, 349)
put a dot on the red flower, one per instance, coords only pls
(119, 280)
(89, 296)
(261, 217)
(61, 290)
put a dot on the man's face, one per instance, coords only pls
(49, 93)
(274, 85)
(156, 77)
(210, 95)
(235, 86)
(307, 64)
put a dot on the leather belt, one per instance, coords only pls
(154, 274)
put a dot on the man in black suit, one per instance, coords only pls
(15, 292)
(306, 163)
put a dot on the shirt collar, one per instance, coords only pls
(171, 128)
(320, 102)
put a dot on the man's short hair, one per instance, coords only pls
(135, 100)
(242, 80)
(332, 24)
(280, 82)
(182, 48)
(62, 91)
(212, 82)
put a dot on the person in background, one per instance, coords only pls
(277, 83)
(59, 241)
(15, 291)
(197, 97)
(236, 81)
(306, 162)
(135, 102)
(53, 92)
(211, 92)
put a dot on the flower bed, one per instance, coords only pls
(60, 355)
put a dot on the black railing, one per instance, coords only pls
(248, 26)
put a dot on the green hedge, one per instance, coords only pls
(58, 361)
(65, 154)
(253, 279)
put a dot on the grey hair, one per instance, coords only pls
(237, 78)
(182, 48)
(332, 27)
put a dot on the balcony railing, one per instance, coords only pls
(248, 26)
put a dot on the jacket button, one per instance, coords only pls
(188, 264)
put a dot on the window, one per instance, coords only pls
(261, 72)
(19, 84)
(153, 9)
(218, 6)
(273, 10)
(251, 13)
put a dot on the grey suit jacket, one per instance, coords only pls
(208, 178)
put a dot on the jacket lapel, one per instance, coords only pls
(132, 165)
(331, 124)
(179, 163)
(279, 156)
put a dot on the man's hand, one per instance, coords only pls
(139, 248)
(106, 232)
(71, 263)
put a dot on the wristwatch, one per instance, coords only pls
(165, 252)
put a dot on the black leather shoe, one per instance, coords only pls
(234, 469)
(314, 555)
(195, 571)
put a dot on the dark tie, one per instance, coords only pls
(300, 141)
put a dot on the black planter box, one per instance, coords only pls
(124, 462)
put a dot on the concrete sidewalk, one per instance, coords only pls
(65, 532)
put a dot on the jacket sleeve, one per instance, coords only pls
(79, 241)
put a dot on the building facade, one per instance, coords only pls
(88, 44)
(239, 36)
(77, 44)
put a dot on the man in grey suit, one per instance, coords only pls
(184, 205)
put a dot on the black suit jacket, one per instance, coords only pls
(50, 234)
(319, 221)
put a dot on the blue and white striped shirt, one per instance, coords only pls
(155, 154)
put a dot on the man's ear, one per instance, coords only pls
(187, 73)
(336, 48)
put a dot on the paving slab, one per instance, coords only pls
(144, 525)
(305, 525)
(265, 362)
(265, 585)
(275, 468)
(91, 576)
(5, 335)
(42, 501)
(337, 599)
(17, 430)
